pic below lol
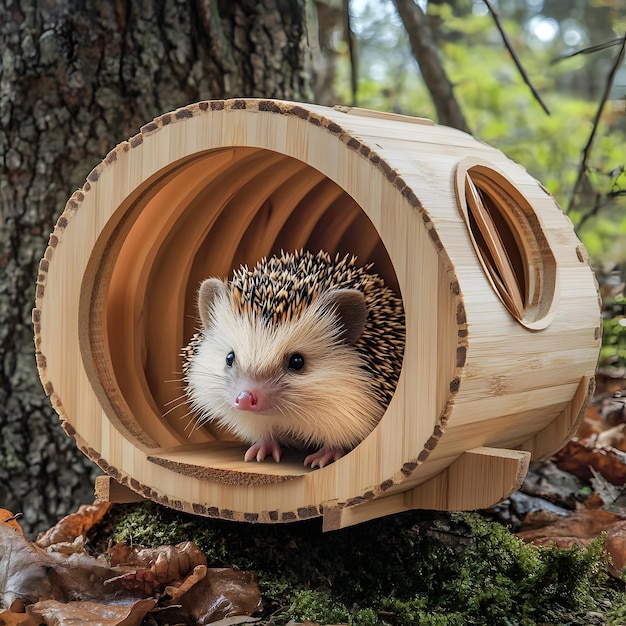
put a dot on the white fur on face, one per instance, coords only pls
(328, 402)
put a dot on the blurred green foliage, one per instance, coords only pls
(614, 331)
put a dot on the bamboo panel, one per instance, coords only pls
(216, 184)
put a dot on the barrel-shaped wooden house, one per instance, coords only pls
(501, 306)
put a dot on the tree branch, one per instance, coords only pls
(582, 170)
(516, 60)
(602, 200)
(588, 50)
(349, 37)
(427, 56)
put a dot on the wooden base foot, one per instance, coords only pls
(478, 479)
(108, 490)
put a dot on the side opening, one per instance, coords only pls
(509, 242)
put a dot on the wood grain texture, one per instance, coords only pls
(107, 490)
(220, 183)
(500, 472)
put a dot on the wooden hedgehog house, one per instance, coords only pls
(501, 306)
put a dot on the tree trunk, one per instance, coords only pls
(76, 78)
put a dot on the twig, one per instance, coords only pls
(588, 50)
(601, 200)
(582, 170)
(518, 63)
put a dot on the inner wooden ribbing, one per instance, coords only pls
(497, 247)
(227, 211)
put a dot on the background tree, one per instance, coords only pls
(77, 77)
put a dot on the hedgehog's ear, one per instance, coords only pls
(351, 310)
(210, 289)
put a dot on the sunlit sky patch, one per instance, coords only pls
(543, 28)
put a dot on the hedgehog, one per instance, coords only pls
(304, 350)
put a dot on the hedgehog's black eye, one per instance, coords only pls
(296, 362)
(230, 359)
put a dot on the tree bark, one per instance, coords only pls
(76, 78)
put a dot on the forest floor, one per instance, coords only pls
(553, 553)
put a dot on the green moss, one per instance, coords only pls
(320, 607)
(413, 568)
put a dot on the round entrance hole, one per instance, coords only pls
(200, 217)
(509, 242)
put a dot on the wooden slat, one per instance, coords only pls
(501, 271)
(384, 115)
(499, 473)
(222, 462)
(107, 489)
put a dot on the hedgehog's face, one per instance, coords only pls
(299, 380)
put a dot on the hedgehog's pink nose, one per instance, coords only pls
(247, 401)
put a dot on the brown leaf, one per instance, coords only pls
(224, 592)
(6, 517)
(62, 585)
(581, 529)
(539, 519)
(614, 437)
(563, 542)
(53, 613)
(140, 582)
(23, 576)
(30, 574)
(582, 524)
(155, 567)
(615, 545)
(176, 592)
(578, 456)
(74, 525)
(178, 560)
(9, 618)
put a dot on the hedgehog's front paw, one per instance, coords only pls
(324, 456)
(263, 448)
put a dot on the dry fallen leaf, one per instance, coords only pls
(223, 593)
(169, 562)
(154, 568)
(615, 545)
(177, 592)
(74, 525)
(582, 524)
(62, 586)
(6, 517)
(581, 529)
(9, 618)
(614, 437)
(54, 613)
(30, 574)
(578, 456)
